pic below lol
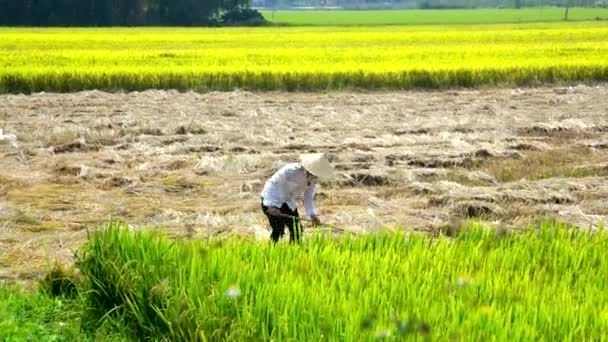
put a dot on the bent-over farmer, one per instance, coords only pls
(280, 191)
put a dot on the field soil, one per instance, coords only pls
(193, 164)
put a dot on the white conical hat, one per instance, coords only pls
(317, 164)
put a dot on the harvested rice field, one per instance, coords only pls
(193, 164)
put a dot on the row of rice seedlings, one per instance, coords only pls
(301, 59)
(545, 283)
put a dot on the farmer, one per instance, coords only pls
(280, 191)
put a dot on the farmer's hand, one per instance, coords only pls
(274, 211)
(315, 221)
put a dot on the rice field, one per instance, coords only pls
(431, 17)
(461, 214)
(546, 283)
(302, 58)
(193, 165)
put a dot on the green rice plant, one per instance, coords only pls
(545, 283)
(302, 58)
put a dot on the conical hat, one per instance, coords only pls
(317, 164)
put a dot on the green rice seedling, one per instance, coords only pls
(546, 282)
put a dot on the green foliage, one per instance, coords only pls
(242, 16)
(113, 12)
(37, 317)
(300, 59)
(546, 283)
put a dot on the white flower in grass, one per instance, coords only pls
(464, 280)
(383, 333)
(233, 292)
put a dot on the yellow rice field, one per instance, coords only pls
(303, 58)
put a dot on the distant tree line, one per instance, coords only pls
(126, 12)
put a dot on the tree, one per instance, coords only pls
(114, 12)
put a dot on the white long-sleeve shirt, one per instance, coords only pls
(288, 182)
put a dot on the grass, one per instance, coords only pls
(430, 17)
(55, 311)
(37, 317)
(302, 58)
(542, 284)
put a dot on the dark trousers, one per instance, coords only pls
(278, 223)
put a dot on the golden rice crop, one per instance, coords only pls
(301, 58)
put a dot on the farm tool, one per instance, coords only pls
(326, 226)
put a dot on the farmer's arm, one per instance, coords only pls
(309, 205)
